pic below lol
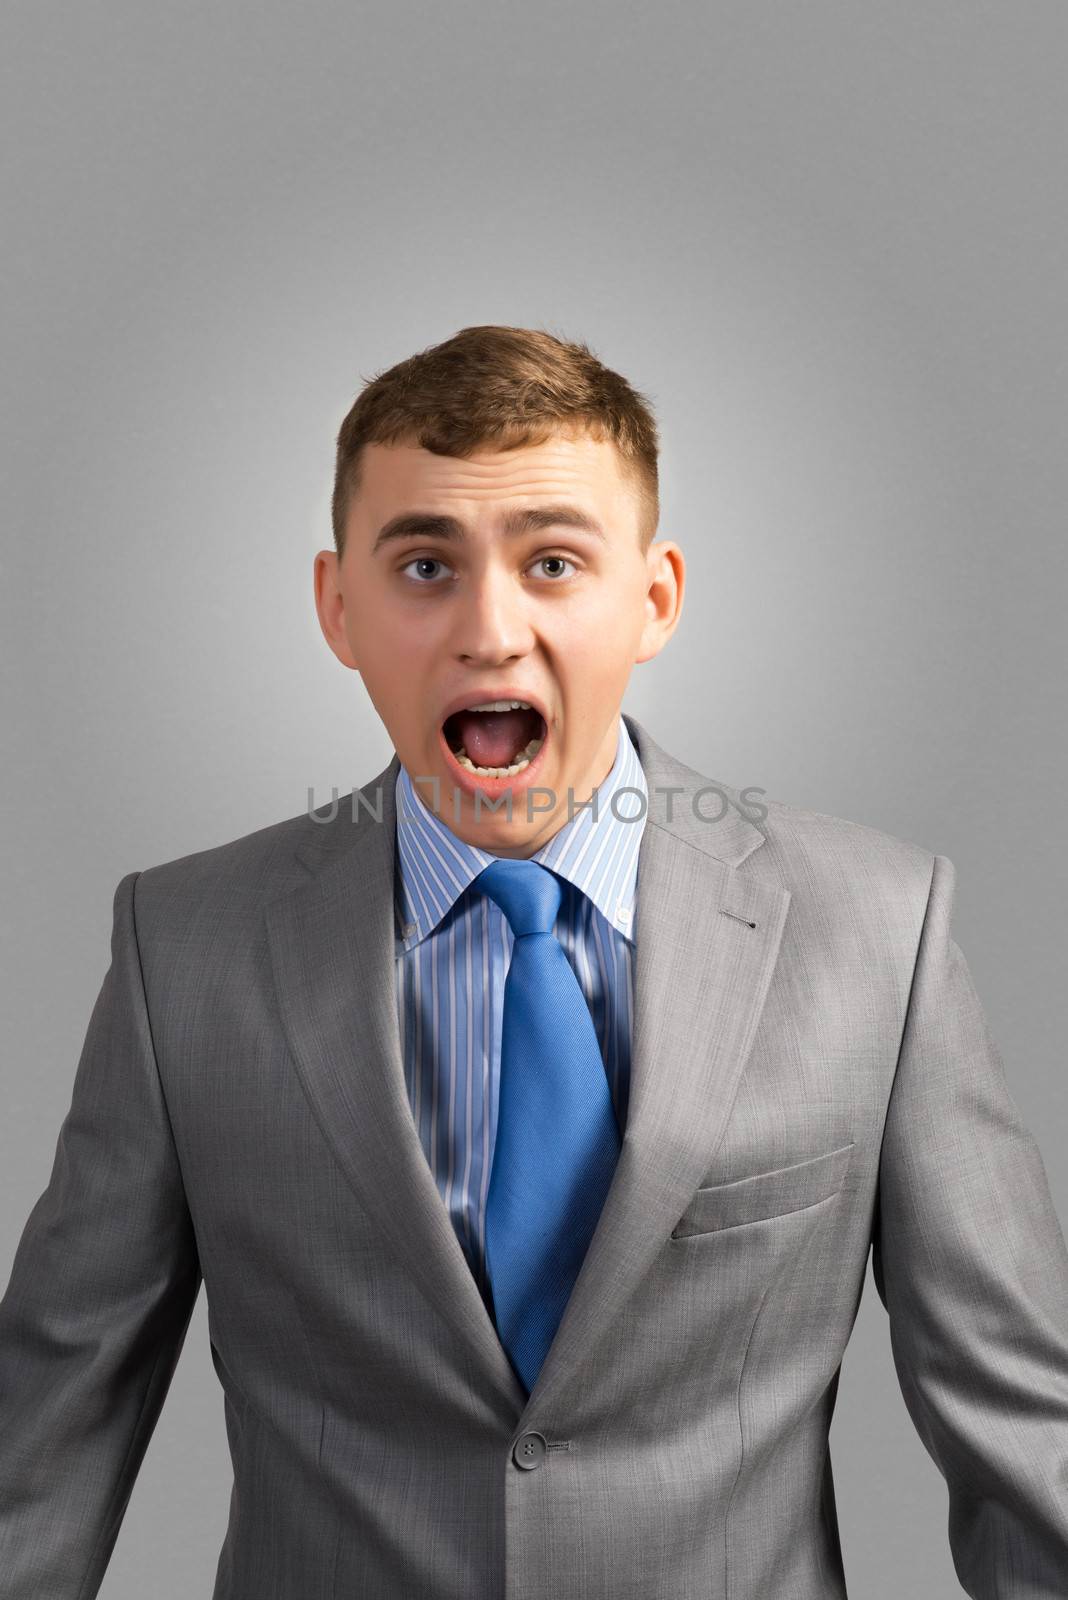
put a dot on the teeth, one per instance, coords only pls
(502, 705)
(529, 752)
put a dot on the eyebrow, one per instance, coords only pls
(526, 519)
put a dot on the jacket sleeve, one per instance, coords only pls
(101, 1291)
(970, 1262)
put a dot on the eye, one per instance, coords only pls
(423, 561)
(563, 559)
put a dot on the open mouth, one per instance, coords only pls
(495, 739)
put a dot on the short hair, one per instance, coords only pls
(504, 387)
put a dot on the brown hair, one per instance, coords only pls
(504, 386)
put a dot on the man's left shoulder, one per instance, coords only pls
(832, 862)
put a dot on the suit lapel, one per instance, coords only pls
(332, 954)
(700, 983)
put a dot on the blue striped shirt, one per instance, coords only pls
(453, 949)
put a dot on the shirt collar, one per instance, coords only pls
(434, 866)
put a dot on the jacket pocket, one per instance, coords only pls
(764, 1194)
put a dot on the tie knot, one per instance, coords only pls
(527, 893)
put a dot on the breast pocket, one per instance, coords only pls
(764, 1194)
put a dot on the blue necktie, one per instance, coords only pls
(557, 1141)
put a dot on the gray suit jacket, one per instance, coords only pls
(812, 1077)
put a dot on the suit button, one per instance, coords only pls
(529, 1451)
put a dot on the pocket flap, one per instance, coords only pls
(765, 1194)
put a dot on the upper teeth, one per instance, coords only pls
(501, 705)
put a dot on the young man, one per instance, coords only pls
(530, 1114)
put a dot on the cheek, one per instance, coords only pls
(398, 668)
(391, 639)
(598, 641)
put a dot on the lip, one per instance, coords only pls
(475, 697)
(493, 787)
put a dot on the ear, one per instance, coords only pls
(330, 607)
(666, 568)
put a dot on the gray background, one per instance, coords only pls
(827, 240)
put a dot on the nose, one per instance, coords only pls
(491, 621)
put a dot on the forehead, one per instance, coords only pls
(583, 469)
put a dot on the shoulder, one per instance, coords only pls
(843, 871)
(226, 885)
(813, 854)
(818, 839)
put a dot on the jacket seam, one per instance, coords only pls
(148, 1029)
(122, 1491)
(905, 1018)
(950, 1472)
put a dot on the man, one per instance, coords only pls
(530, 1114)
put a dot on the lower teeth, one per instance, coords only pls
(529, 752)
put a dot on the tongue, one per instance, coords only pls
(494, 738)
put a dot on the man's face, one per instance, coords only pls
(472, 608)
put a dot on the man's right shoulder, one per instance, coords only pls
(237, 879)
